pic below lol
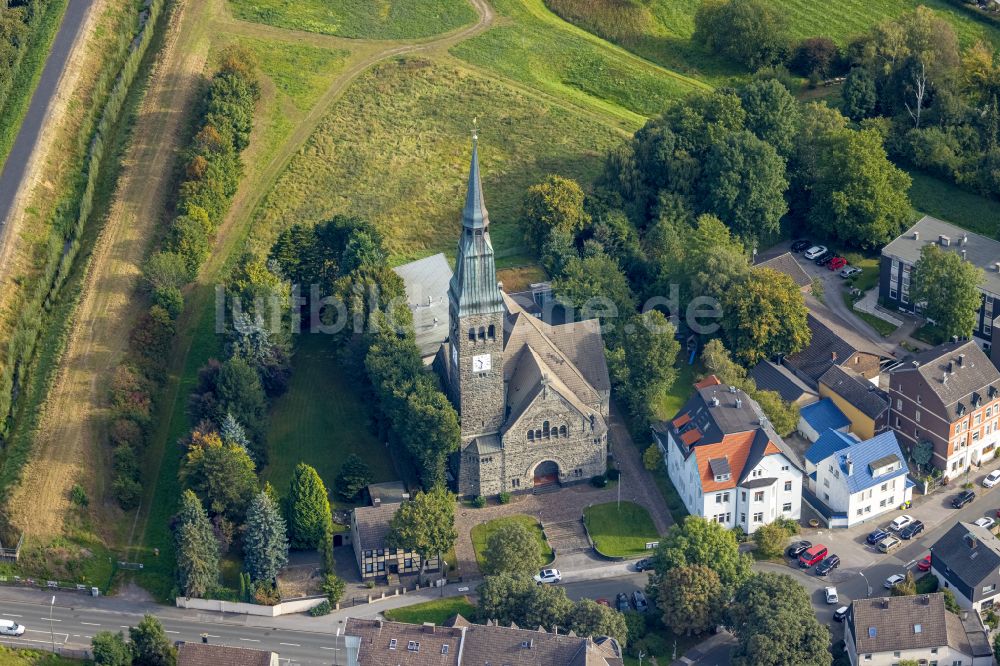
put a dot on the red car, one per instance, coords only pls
(924, 564)
(837, 263)
(604, 602)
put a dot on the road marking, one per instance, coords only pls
(210, 636)
(290, 644)
(10, 615)
(250, 640)
(167, 631)
(326, 648)
(90, 624)
(50, 619)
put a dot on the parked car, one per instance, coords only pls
(645, 564)
(801, 244)
(831, 595)
(877, 535)
(986, 522)
(836, 263)
(11, 628)
(815, 251)
(912, 530)
(849, 271)
(924, 564)
(603, 602)
(889, 544)
(828, 565)
(639, 599)
(992, 479)
(963, 498)
(900, 522)
(840, 614)
(823, 259)
(798, 548)
(621, 603)
(812, 556)
(893, 580)
(548, 576)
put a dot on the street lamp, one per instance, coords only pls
(869, 585)
(52, 636)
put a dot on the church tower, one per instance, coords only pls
(476, 314)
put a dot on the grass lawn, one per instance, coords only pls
(321, 420)
(536, 47)
(481, 534)
(437, 611)
(369, 19)
(671, 402)
(403, 165)
(883, 327)
(620, 532)
(299, 71)
(930, 334)
(948, 202)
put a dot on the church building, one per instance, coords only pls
(533, 398)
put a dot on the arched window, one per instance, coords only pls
(545, 429)
(562, 431)
(531, 435)
(492, 333)
(482, 333)
(538, 434)
(472, 334)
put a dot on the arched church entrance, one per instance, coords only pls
(546, 472)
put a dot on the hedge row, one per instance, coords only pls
(211, 173)
(69, 219)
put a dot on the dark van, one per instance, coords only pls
(812, 556)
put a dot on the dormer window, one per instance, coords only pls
(723, 477)
(392, 643)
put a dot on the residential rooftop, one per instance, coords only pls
(959, 374)
(857, 390)
(787, 264)
(824, 415)
(979, 250)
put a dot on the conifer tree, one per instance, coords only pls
(308, 508)
(265, 545)
(197, 548)
(233, 433)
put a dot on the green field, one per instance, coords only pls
(299, 71)
(12, 657)
(403, 164)
(437, 611)
(537, 48)
(321, 420)
(949, 203)
(481, 535)
(368, 19)
(620, 531)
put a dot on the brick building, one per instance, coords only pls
(533, 398)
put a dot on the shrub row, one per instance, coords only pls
(211, 170)
(71, 215)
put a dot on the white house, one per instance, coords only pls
(726, 461)
(857, 480)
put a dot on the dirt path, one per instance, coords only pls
(69, 444)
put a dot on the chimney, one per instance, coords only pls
(428, 627)
(732, 389)
(926, 599)
(996, 266)
(961, 360)
(833, 356)
(715, 401)
(951, 367)
(850, 466)
(916, 235)
(376, 501)
(885, 602)
(739, 403)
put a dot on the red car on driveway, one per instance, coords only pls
(837, 263)
(924, 564)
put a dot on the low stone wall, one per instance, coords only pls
(284, 608)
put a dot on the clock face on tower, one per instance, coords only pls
(481, 363)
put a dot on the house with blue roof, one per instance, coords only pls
(856, 480)
(823, 415)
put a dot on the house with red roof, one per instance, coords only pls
(727, 462)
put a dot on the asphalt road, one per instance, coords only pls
(75, 620)
(17, 161)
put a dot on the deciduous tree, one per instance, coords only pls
(704, 542)
(764, 315)
(110, 649)
(222, 475)
(641, 358)
(691, 598)
(150, 645)
(425, 525)
(512, 549)
(553, 205)
(589, 618)
(948, 286)
(751, 32)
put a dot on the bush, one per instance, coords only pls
(504, 497)
(127, 491)
(770, 540)
(790, 525)
(78, 495)
(126, 432)
(324, 608)
(479, 502)
(815, 55)
(991, 619)
(170, 299)
(333, 587)
(266, 594)
(614, 474)
(125, 462)
(652, 458)
(599, 481)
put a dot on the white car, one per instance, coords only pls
(11, 628)
(831, 595)
(992, 479)
(848, 271)
(900, 522)
(814, 251)
(548, 576)
(893, 580)
(986, 522)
